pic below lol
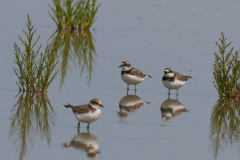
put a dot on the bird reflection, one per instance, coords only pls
(130, 103)
(86, 142)
(171, 108)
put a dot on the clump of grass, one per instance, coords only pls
(70, 15)
(226, 70)
(34, 75)
(74, 47)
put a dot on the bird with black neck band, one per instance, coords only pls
(131, 75)
(173, 80)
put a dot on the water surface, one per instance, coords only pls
(152, 35)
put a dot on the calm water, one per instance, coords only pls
(152, 35)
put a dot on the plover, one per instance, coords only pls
(86, 142)
(171, 108)
(173, 80)
(131, 75)
(87, 113)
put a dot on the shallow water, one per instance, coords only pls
(152, 35)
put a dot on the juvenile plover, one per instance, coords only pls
(131, 75)
(173, 80)
(87, 113)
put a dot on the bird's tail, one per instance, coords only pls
(69, 106)
(187, 77)
(148, 76)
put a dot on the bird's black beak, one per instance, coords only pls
(119, 66)
(101, 105)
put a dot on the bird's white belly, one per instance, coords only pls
(89, 117)
(130, 79)
(173, 85)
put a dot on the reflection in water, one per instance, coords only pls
(86, 142)
(225, 124)
(31, 116)
(74, 47)
(130, 103)
(171, 108)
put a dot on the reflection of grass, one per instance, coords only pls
(69, 15)
(71, 45)
(226, 70)
(31, 114)
(33, 75)
(225, 123)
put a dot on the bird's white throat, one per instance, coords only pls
(125, 68)
(169, 75)
(94, 106)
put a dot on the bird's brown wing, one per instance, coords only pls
(137, 73)
(81, 109)
(181, 77)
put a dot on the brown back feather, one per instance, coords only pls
(81, 109)
(181, 77)
(138, 73)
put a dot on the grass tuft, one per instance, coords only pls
(34, 75)
(226, 70)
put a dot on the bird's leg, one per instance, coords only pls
(177, 91)
(135, 88)
(168, 91)
(127, 92)
(78, 126)
(128, 87)
(88, 126)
